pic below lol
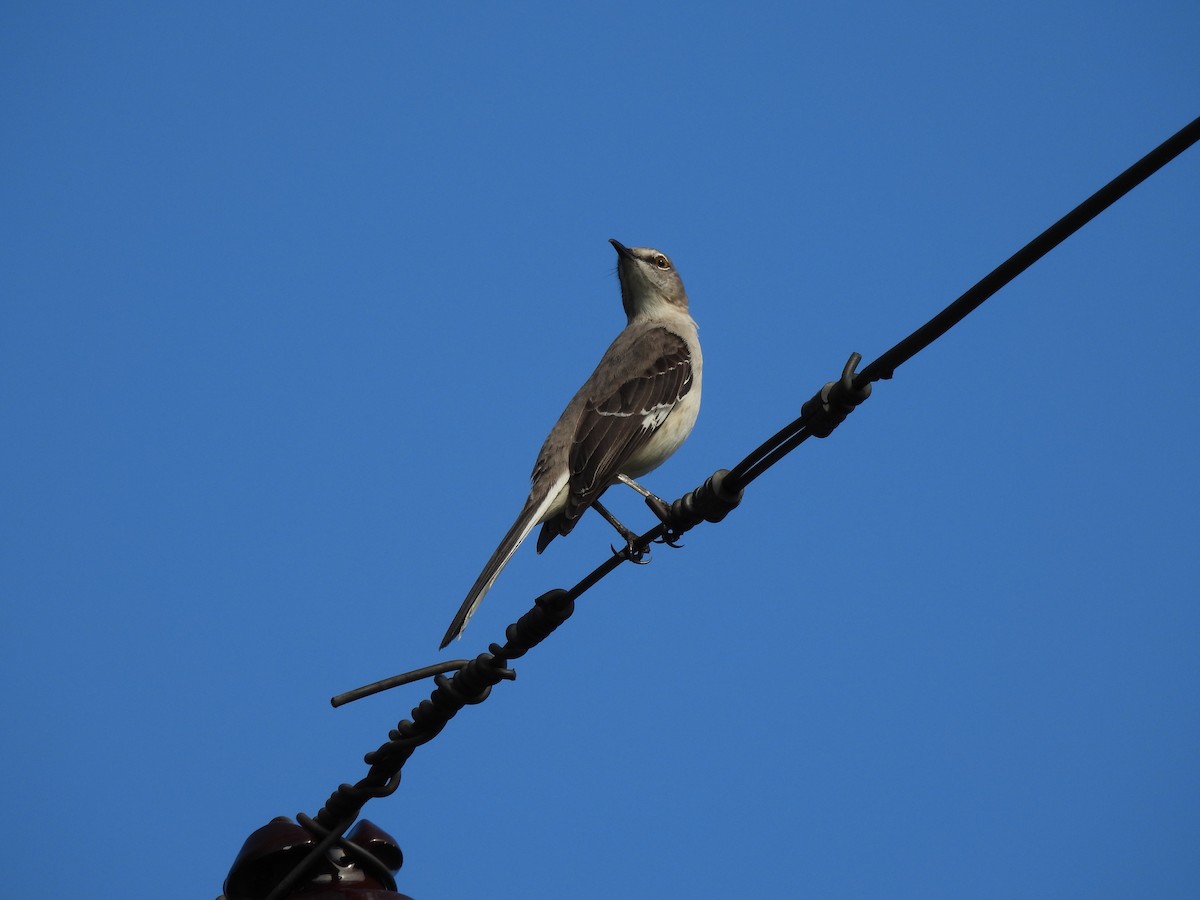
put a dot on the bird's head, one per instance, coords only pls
(648, 278)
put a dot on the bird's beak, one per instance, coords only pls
(621, 249)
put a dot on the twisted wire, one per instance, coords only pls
(712, 501)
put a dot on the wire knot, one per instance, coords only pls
(828, 408)
(711, 502)
(549, 611)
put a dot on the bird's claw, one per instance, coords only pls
(632, 553)
(662, 509)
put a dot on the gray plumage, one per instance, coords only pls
(635, 410)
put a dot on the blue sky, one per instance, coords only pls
(292, 293)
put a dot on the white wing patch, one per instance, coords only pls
(654, 417)
(628, 428)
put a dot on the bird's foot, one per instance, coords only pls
(662, 509)
(632, 552)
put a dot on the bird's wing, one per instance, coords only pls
(621, 418)
(624, 403)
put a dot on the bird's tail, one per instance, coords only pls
(533, 512)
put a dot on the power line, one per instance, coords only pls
(473, 680)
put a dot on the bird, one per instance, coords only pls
(633, 412)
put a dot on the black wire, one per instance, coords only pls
(711, 502)
(450, 665)
(764, 450)
(886, 365)
(798, 435)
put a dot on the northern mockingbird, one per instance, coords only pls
(634, 411)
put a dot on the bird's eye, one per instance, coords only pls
(662, 262)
